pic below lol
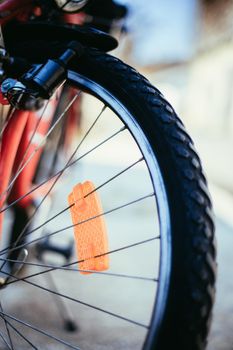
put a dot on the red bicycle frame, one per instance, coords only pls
(18, 145)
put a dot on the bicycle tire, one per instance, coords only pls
(186, 301)
(191, 292)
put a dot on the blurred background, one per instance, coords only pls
(185, 48)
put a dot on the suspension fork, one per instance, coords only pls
(9, 146)
(19, 142)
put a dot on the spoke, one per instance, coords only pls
(32, 136)
(29, 159)
(63, 169)
(63, 309)
(78, 301)
(4, 340)
(40, 145)
(58, 177)
(19, 333)
(53, 268)
(7, 328)
(68, 164)
(77, 224)
(62, 268)
(88, 194)
(36, 329)
(11, 112)
(7, 191)
(57, 144)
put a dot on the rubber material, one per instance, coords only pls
(187, 316)
(192, 284)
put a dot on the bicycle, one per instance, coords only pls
(153, 280)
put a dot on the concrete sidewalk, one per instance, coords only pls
(217, 157)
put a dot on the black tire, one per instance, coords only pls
(183, 306)
(186, 319)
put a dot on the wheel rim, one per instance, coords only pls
(157, 182)
(164, 217)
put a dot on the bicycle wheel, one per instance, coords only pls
(159, 288)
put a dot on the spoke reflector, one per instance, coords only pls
(91, 236)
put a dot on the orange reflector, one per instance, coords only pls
(90, 234)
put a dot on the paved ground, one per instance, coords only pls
(97, 327)
(134, 298)
(216, 155)
(221, 336)
(33, 303)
